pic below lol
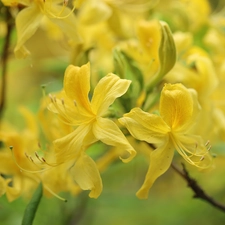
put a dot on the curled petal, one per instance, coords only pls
(107, 90)
(145, 126)
(107, 131)
(13, 192)
(87, 176)
(160, 160)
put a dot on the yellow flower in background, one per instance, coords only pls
(145, 50)
(17, 182)
(168, 131)
(87, 116)
(29, 19)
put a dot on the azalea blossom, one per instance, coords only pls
(88, 118)
(13, 182)
(29, 19)
(168, 131)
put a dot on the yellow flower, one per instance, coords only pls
(29, 19)
(87, 116)
(17, 183)
(168, 131)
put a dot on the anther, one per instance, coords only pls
(202, 158)
(36, 155)
(39, 145)
(74, 102)
(207, 143)
(50, 96)
(209, 147)
(43, 159)
(31, 159)
(26, 155)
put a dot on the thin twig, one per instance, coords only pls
(4, 57)
(198, 191)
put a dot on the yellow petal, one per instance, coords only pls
(208, 79)
(145, 126)
(77, 86)
(27, 22)
(107, 90)
(94, 12)
(87, 176)
(67, 110)
(176, 106)
(13, 192)
(12, 3)
(107, 131)
(30, 119)
(69, 147)
(160, 160)
(67, 24)
(149, 34)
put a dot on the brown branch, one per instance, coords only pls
(4, 56)
(198, 191)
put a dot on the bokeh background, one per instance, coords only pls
(170, 201)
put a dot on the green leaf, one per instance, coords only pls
(31, 208)
(126, 68)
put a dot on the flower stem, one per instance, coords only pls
(198, 191)
(4, 56)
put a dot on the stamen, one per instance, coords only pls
(57, 196)
(25, 154)
(38, 157)
(187, 154)
(50, 96)
(207, 143)
(39, 144)
(54, 98)
(52, 15)
(202, 158)
(21, 168)
(64, 117)
(31, 159)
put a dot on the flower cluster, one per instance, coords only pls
(136, 72)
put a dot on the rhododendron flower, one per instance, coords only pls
(168, 131)
(88, 117)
